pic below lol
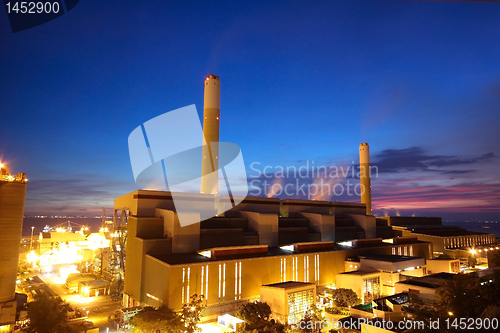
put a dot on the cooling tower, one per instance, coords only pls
(12, 194)
(211, 115)
(364, 175)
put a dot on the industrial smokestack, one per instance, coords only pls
(364, 176)
(12, 195)
(211, 115)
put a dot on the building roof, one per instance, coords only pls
(390, 258)
(432, 281)
(399, 298)
(194, 257)
(94, 283)
(443, 259)
(441, 230)
(188, 258)
(361, 272)
(289, 285)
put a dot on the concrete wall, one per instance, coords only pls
(292, 207)
(443, 265)
(265, 224)
(323, 224)
(391, 266)
(355, 282)
(184, 239)
(424, 293)
(367, 223)
(12, 195)
(255, 272)
(254, 204)
(276, 298)
(157, 284)
(136, 250)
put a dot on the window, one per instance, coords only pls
(237, 280)
(224, 281)
(316, 268)
(306, 269)
(187, 288)
(295, 268)
(183, 284)
(220, 279)
(206, 284)
(299, 302)
(202, 279)
(186, 274)
(283, 269)
(371, 288)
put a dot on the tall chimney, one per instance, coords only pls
(364, 175)
(211, 115)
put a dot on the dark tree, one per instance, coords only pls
(191, 314)
(472, 261)
(47, 315)
(150, 320)
(462, 296)
(255, 312)
(494, 259)
(345, 297)
(306, 325)
(256, 316)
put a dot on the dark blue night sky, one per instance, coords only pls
(300, 81)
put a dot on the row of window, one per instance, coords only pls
(295, 269)
(186, 277)
(403, 250)
(473, 240)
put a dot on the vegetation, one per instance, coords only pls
(152, 320)
(494, 259)
(306, 325)
(191, 314)
(463, 296)
(472, 261)
(256, 316)
(335, 310)
(312, 321)
(48, 315)
(165, 320)
(345, 297)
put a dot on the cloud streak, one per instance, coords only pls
(409, 180)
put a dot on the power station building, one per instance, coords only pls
(245, 248)
(12, 195)
(262, 241)
(445, 238)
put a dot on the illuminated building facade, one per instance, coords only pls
(262, 241)
(444, 238)
(288, 300)
(425, 287)
(377, 275)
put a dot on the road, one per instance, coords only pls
(97, 309)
